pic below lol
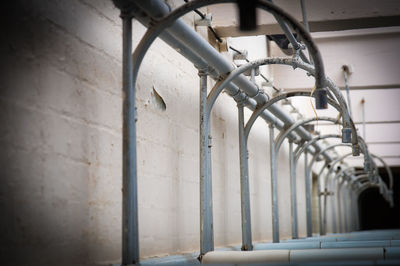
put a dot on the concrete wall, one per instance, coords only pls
(61, 120)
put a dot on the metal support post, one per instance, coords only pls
(130, 231)
(340, 205)
(274, 187)
(308, 195)
(346, 209)
(206, 204)
(293, 191)
(363, 118)
(346, 82)
(333, 203)
(321, 227)
(244, 183)
(326, 193)
(352, 209)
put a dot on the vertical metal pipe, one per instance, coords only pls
(253, 76)
(130, 232)
(206, 208)
(293, 192)
(347, 91)
(305, 20)
(274, 186)
(304, 13)
(320, 192)
(340, 209)
(345, 209)
(325, 205)
(244, 183)
(308, 195)
(333, 203)
(352, 209)
(363, 118)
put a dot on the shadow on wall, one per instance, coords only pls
(52, 157)
(375, 212)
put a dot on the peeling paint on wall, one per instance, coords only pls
(157, 100)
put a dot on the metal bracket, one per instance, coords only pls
(209, 141)
(248, 72)
(135, 115)
(240, 56)
(270, 83)
(326, 193)
(203, 71)
(204, 22)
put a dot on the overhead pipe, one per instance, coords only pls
(188, 37)
(346, 72)
(130, 234)
(321, 99)
(241, 81)
(138, 57)
(181, 31)
(349, 132)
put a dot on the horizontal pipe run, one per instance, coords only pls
(185, 35)
(288, 245)
(339, 254)
(246, 257)
(348, 238)
(300, 256)
(391, 252)
(231, 88)
(387, 232)
(299, 244)
(358, 244)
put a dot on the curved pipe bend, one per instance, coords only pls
(347, 121)
(159, 25)
(301, 148)
(275, 99)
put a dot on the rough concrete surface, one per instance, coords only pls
(61, 117)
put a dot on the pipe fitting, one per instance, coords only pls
(355, 149)
(367, 166)
(346, 135)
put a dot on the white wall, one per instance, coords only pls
(373, 55)
(61, 119)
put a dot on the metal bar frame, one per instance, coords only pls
(130, 72)
(206, 203)
(244, 183)
(293, 191)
